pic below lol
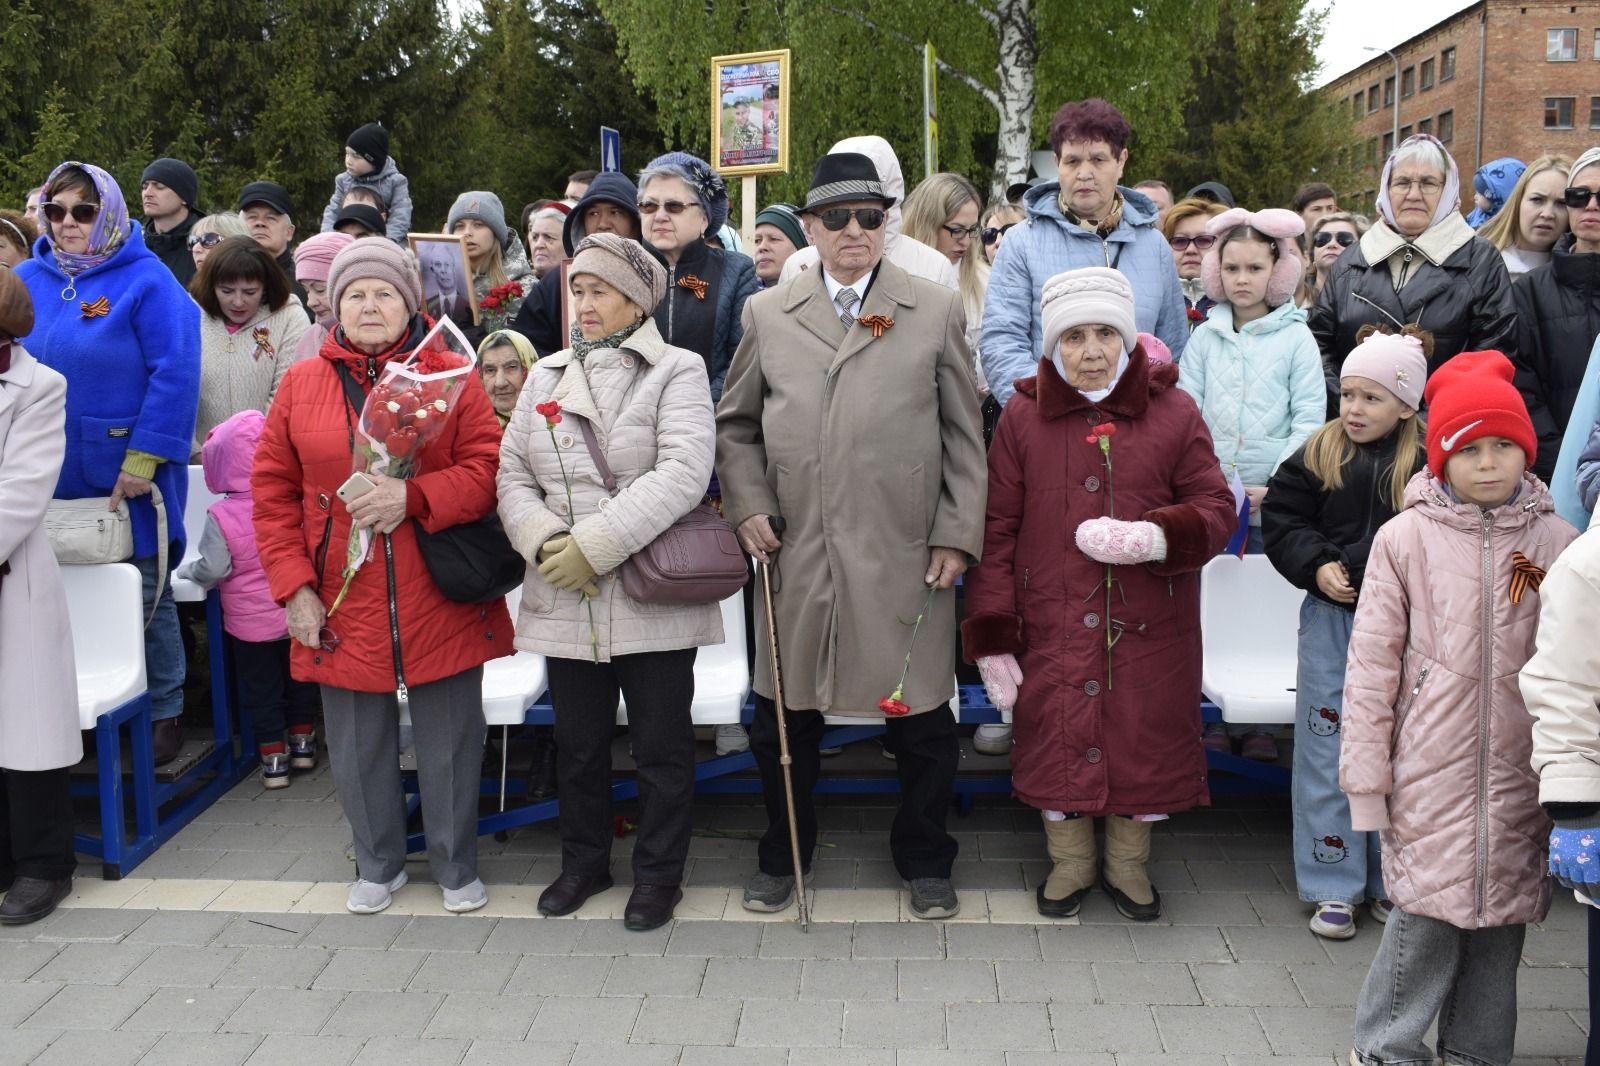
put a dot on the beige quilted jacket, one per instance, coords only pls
(1436, 740)
(1562, 681)
(650, 404)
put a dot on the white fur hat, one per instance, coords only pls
(1090, 296)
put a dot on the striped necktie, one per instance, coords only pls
(848, 299)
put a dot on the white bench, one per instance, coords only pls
(721, 674)
(194, 524)
(106, 606)
(1249, 625)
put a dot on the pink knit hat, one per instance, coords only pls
(1393, 361)
(314, 255)
(374, 257)
(1275, 222)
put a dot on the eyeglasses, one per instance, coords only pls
(673, 207)
(1201, 243)
(82, 214)
(1578, 197)
(837, 218)
(1345, 239)
(961, 233)
(1426, 186)
(205, 240)
(993, 233)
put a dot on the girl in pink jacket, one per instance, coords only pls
(257, 627)
(1437, 740)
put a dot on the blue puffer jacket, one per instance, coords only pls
(1046, 244)
(133, 375)
(1260, 389)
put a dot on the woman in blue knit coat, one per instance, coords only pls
(111, 319)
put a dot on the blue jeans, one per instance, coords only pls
(164, 665)
(1331, 861)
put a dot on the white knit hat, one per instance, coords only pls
(1586, 160)
(1393, 361)
(1091, 296)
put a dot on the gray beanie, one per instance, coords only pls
(624, 265)
(1096, 296)
(485, 207)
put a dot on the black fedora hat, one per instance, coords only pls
(842, 177)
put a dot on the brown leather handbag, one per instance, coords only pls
(696, 560)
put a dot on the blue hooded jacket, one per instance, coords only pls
(133, 375)
(1046, 244)
(1494, 182)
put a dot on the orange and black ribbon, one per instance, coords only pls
(1524, 576)
(262, 335)
(694, 285)
(99, 309)
(877, 323)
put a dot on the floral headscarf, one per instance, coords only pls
(111, 227)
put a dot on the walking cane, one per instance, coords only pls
(784, 760)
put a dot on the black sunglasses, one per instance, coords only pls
(993, 233)
(674, 207)
(1201, 243)
(837, 218)
(1345, 239)
(205, 240)
(1578, 197)
(82, 214)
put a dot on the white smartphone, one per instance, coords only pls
(357, 486)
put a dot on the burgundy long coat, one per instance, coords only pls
(1093, 739)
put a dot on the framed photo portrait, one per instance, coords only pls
(750, 113)
(446, 276)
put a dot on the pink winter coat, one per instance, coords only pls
(1436, 739)
(248, 610)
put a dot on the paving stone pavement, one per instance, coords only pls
(190, 961)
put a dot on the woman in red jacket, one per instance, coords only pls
(395, 637)
(1097, 643)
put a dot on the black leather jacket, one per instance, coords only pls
(1558, 318)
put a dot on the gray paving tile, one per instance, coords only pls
(454, 971)
(91, 924)
(1208, 908)
(1061, 943)
(189, 928)
(1327, 985)
(272, 930)
(751, 979)
(1103, 1027)
(87, 1007)
(74, 1048)
(549, 975)
(1145, 982)
(1548, 1032)
(828, 1056)
(1180, 944)
(675, 1021)
(1210, 1029)
(321, 866)
(181, 966)
(1538, 988)
(924, 1057)
(292, 1050)
(21, 959)
(1246, 984)
(275, 967)
(471, 1015)
(733, 1056)
(898, 940)
(1304, 1030)
(625, 1055)
(451, 933)
(948, 981)
(23, 1045)
(894, 1025)
(784, 940)
(533, 936)
(716, 939)
(1281, 908)
(609, 937)
(283, 1010)
(401, 1051)
(356, 931)
(185, 1010)
(776, 1023)
(251, 865)
(94, 963)
(369, 970)
(991, 942)
(1045, 982)
(19, 999)
(516, 1053)
(852, 980)
(999, 1026)
(391, 1013)
(648, 975)
(1274, 944)
(564, 1019)
(213, 1049)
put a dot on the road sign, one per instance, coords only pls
(610, 150)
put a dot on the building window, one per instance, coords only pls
(1372, 99)
(1560, 46)
(1597, 44)
(1388, 91)
(1425, 125)
(1372, 151)
(1355, 104)
(1447, 64)
(1408, 82)
(1447, 126)
(1388, 144)
(1426, 73)
(1405, 131)
(1558, 112)
(1594, 112)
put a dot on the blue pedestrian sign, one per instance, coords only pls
(610, 150)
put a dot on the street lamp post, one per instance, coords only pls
(1396, 60)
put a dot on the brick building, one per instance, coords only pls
(1530, 69)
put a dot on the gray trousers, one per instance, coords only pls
(363, 749)
(1426, 968)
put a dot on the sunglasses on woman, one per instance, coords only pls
(82, 214)
(1345, 239)
(673, 207)
(1201, 243)
(994, 233)
(1578, 197)
(837, 218)
(204, 240)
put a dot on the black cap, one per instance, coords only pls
(270, 193)
(841, 177)
(1214, 191)
(364, 215)
(370, 142)
(176, 175)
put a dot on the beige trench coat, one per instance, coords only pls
(38, 676)
(871, 449)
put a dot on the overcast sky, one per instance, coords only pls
(1383, 23)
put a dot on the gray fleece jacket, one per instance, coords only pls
(388, 183)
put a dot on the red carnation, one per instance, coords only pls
(1105, 429)
(893, 708)
(1195, 315)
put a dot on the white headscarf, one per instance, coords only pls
(1449, 199)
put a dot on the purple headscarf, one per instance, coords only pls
(1449, 198)
(110, 229)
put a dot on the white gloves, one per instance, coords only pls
(1001, 679)
(1108, 540)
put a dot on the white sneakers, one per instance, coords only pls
(468, 897)
(370, 897)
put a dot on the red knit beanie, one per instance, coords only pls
(1472, 396)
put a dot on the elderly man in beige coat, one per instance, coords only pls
(850, 411)
(39, 736)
